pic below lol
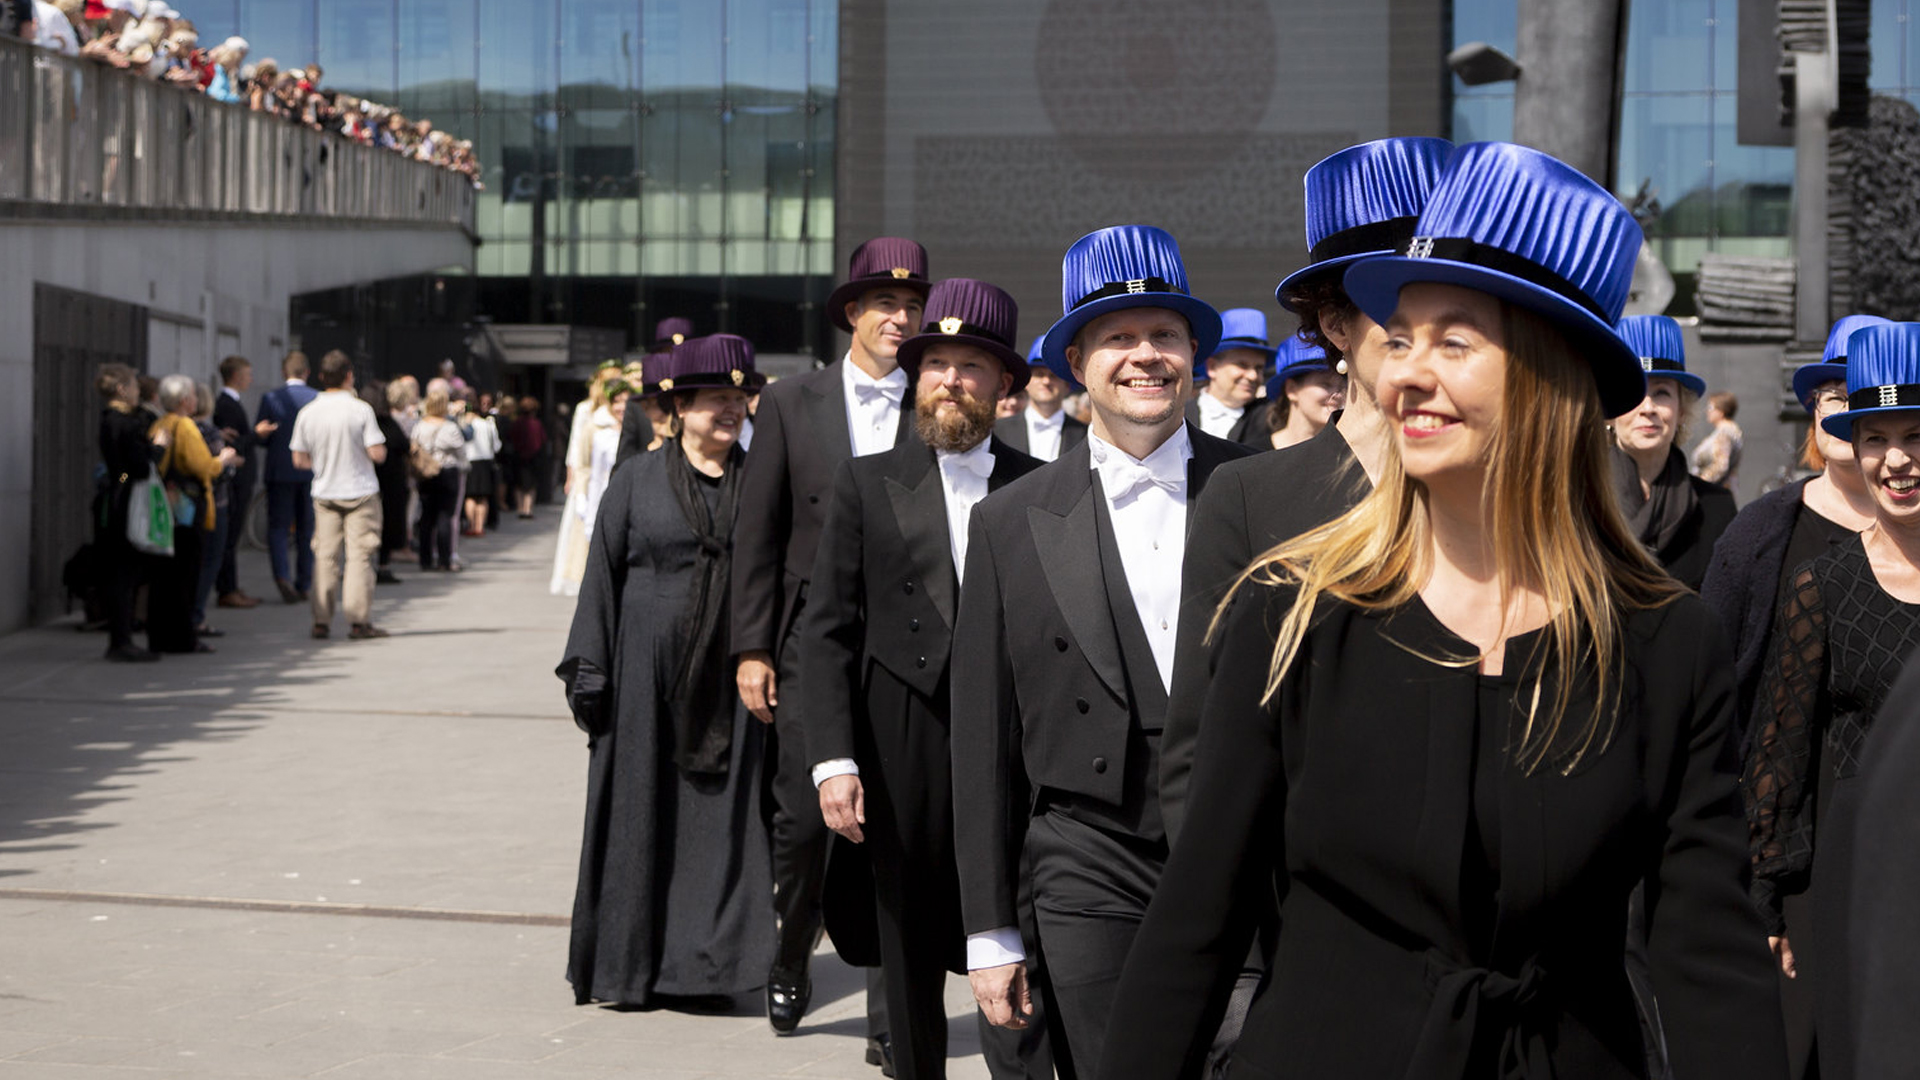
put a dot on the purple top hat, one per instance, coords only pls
(881, 261)
(1364, 201)
(1661, 348)
(1833, 363)
(722, 360)
(1883, 374)
(670, 332)
(1119, 267)
(1522, 226)
(964, 311)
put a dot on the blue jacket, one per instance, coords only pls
(280, 405)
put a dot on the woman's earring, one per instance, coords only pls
(1340, 365)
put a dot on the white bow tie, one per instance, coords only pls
(978, 461)
(1123, 479)
(867, 393)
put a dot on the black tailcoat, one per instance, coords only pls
(1012, 430)
(1250, 430)
(1249, 507)
(1043, 692)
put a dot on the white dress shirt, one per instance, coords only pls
(1147, 502)
(230, 392)
(1217, 418)
(1043, 433)
(873, 407)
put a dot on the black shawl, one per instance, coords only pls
(700, 697)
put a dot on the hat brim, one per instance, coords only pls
(1335, 268)
(1840, 425)
(1686, 379)
(751, 384)
(1011, 362)
(848, 292)
(1808, 377)
(1374, 285)
(1202, 321)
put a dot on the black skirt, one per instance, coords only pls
(480, 480)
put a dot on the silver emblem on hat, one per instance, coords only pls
(1420, 247)
(1136, 285)
(1646, 363)
(1889, 396)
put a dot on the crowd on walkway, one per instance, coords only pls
(154, 40)
(1438, 715)
(354, 477)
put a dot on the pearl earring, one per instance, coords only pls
(1341, 365)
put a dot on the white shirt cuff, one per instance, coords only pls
(992, 948)
(832, 767)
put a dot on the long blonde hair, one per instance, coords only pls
(1556, 528)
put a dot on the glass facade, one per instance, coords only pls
(1677, 128)
(642, 158)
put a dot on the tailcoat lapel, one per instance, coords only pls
(1067, 539)
(827, 411)
(919, 503)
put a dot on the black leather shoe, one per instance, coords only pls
(880, 1052)
(787, 1000)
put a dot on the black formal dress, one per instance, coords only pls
(229, 413)
(1250, 506)
(1445, 913)
(874, 644)
(1057, 710)
(128, 454)
(800, 438)
(1840, 642)
(1012, 430)
(1250, 430)
(673, 885)
(1885, 982)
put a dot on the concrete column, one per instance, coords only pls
(1566, 101)
(1814, 99)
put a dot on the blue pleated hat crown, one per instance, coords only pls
(1883, 374)
(1528, 229)
(1661, 347)
(1119, 267)
(719, 360)
(1833, 362)
(1364, 201)
(1296, 358)
(1240, 328)
(965, 311)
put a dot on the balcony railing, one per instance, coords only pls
(75, 132)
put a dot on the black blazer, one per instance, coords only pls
(1742, 582)
(1886, 878)
(229, 413)
(1686, 555)
(799, 438)
(1012, 430)
(636, 433)
(1249, 507)
(1250, 430)
(1353, 785)
(1043, 695)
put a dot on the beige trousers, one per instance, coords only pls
(356, 522)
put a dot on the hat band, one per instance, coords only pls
(1661, 363)
(1389, 235)
(952, 325)
(1241, 342)
(1131, 287)
(1475, 253)
(1893, 396)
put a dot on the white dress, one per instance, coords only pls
(570, 553)
(605, 446)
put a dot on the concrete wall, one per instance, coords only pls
(212, 289)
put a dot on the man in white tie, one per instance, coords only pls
(873, 656)
(1042, 429)
(1064, 645)
(805, 427)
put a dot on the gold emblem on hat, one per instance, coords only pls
(739, 376)
(950, 324)
(666, 384)
(679, 338)
(902, 272)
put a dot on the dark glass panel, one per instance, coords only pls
(437, 55)
(1666, 140)
(599, 53)
(516, 54)
(279, 30)
(1753, 185)
(357, 46)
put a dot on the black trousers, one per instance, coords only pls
(170, 591)
(121, 569)
(239, 501)
(1091, 889)
(438, 511)
(393, 519)
(799, 835)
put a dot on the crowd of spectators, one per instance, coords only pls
(152, 39)
(354, 475)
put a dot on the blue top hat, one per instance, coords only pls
(1124, 266)
(1883, 374)
(1296, 358)
(1240, 328)
(1522, 226)
(963, 311)
(1833, 363)
(1657, 341)
(1363, 201)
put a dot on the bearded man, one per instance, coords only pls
(873, 647)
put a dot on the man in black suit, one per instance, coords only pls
(1228, 406)
(804, 428)
(1064, 645)
(874, 647)
(1042, 430)
(230, 416)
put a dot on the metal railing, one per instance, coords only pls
(77, 132)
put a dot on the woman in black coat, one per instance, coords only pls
(391, 471)
(672, 902)
(1457, 726)
(129, 453)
